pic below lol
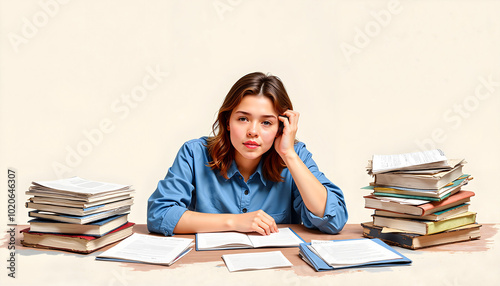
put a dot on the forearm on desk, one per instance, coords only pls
(193, 222)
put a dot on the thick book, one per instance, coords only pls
(97, 228)
(432, 195)
(74, 242)
(76, 203)
(417, 241)
(373, 202)
(234, 240)
(80, 211)
(440, 215)
(149, 249)
(419, 181)
(319, 264)
(79, 219)
(77, 197)
(425, 227)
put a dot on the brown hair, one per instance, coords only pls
(220, 147)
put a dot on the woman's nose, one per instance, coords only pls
(252, 130)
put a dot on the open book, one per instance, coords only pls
(143, 248)
(233, 240)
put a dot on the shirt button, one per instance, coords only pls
(244, 210)
(246, 192)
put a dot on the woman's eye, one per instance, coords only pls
(242, 119)
(267, 123)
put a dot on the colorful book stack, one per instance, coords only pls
(419, 201)
(77, 215)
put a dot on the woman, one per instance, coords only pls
(251, 175)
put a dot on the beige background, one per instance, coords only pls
(367, 77)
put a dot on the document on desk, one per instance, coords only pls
(255, 261)
(144, 248)
(417, 160)
(351, 252)
(232, 240)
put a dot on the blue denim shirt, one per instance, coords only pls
(191, 185)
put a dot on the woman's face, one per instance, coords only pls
(252, 127)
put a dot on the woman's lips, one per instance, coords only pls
(251, 144)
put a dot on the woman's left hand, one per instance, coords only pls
(284, 143)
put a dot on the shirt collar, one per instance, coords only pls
(233, 170)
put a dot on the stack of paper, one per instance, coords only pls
(337, 254)
(77, 215)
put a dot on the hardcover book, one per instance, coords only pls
(419, 181)
(97, 228)
(74, 242)
(440, 215)
(373, 202)
(80, 211)
(417, 241)
(425, 227)
(79, 219)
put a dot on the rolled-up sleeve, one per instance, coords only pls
(173, 194)
(335, 215)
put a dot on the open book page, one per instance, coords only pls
(148, 249)
(351, 252)
(79, 185)
(453, 163)
(253, 261)
(222, 240)
(385, 163)
(284, 237)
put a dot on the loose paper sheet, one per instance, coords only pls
(254, 261)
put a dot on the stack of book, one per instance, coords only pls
(419, 201)
(77, 215)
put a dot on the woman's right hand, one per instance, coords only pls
(257, 221)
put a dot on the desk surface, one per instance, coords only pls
(460, 263)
